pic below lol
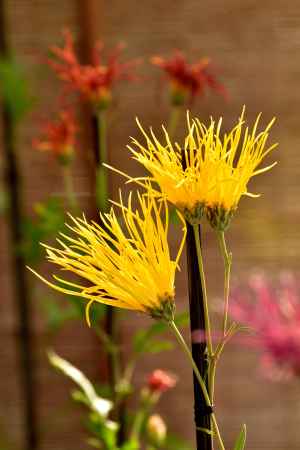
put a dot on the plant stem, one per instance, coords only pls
(173, 121)
(141, 415)
(212, 376)
(187, 351)
(102, 180)
(227, 257)
(198, 345)
(114, 358)
(205, 301)
(68, 181)
(217, 431)
(137, 424)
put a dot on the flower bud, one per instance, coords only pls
(156, 429)
(160, 381)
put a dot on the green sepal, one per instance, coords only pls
(219, 217)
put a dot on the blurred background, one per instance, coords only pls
(254, 47)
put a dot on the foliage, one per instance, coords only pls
(14, 89)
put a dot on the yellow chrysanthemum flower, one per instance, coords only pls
(130, 269)
(210, 173)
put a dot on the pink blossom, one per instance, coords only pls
(272, 310)
(161, 381)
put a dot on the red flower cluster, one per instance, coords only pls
(188, 79)
(274, 314)
(160, 381)
(59, 136)
(93, 81)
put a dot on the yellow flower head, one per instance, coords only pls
(131, 269)
(210, 172)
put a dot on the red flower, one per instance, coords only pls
(273, 312)
(59, 136)
(94, 81)
(160, 381)
(188, 79)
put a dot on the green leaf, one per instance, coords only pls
(56, 315)
(182, 319)
(157, 346)
(206, 431)
(49, 219)
(131, 445)
(241, 440)
(14, 89)
(105, 432)
(143, 341)
(173, 442)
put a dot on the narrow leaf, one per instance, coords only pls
(206, 431)
(241, 440)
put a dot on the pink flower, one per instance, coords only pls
(273, 311)
(161, 381)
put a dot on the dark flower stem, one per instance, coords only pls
(199, 344)
(204, 389)
(113, 358)
(22, 294)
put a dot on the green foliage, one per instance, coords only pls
(14, 89)
(241, 440)
(56, 315)
(173, 442)
(105, 432)
(48, 220)
(131, 445)
(145, 341)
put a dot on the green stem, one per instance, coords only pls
(102, 179)
(187, 351)
(173, 121)
(218, 351)
(69, 188)
(212, 376)
(137, 425)
(141, 415)
(227, 257)
(205, 301)
(217, 431)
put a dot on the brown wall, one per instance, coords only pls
(256, 46)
